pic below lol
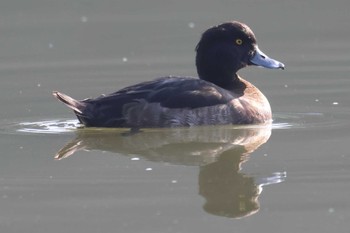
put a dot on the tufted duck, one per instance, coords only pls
(219, 96)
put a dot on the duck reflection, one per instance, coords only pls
(219, 151)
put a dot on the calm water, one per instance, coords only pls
(54, 177)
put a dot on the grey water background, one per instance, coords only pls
(190, 180)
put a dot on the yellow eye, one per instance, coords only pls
(239, 41)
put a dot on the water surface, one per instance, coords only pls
(55, 176)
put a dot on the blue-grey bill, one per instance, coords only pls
(261, 59)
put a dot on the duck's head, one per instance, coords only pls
(226, 48)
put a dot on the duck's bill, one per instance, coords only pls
(261, 59)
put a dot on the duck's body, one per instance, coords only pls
(152, 104)
(219, 96)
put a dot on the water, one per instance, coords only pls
(57, 177)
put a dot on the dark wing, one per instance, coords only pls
(169, 92)
(177, 92)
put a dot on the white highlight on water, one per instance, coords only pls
(49, 126)
(83, 19)
(191, 25)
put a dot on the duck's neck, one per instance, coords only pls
(231, 83)
(219, 65)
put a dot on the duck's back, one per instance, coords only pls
(171, 102)
(163, 102)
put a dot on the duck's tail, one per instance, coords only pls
(76, 105)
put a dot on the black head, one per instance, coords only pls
(226, 48)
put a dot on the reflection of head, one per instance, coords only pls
(227, 192)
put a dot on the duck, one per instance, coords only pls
(218, 96)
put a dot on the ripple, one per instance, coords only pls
(307, 120)
(49, 127)
(281, 121)
(43, 127)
